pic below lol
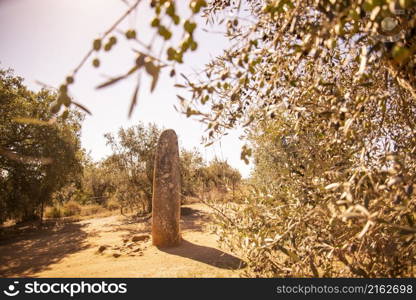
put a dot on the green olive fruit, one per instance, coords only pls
(96, 62)
(96, 44)
(70, 80)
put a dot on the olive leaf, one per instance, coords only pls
(134, 98)
(118, 78)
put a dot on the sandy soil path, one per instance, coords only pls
(117, 246)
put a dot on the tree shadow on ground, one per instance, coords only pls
(34, 250)
(132, 227)
(207, 255)
(193, 219)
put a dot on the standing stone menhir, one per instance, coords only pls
(166, 192)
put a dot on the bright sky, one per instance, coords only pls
(45, 40)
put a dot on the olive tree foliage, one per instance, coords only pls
(325, 90)
(220, 175)
(199, 176)
(327, 97)
(133, 161)
(39, 152)
(97, 183)
(191, 164)
(161, 51)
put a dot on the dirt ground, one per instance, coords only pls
(117, 246)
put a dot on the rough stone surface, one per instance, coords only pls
(166, 192)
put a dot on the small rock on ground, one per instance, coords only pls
(101, 248)
(141, 237)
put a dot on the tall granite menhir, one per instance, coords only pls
(166, 192)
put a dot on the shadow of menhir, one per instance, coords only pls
(207, 255)
(35, 250)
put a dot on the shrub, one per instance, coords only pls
(71, 208)
(112, 205)
(280, 237)
(91, 209)
(53, 212)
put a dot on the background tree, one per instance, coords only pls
(133, 159)
(220, 175)
(40, 153)
(98, 183)
(191, 164)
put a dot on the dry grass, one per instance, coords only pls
(72, 211)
